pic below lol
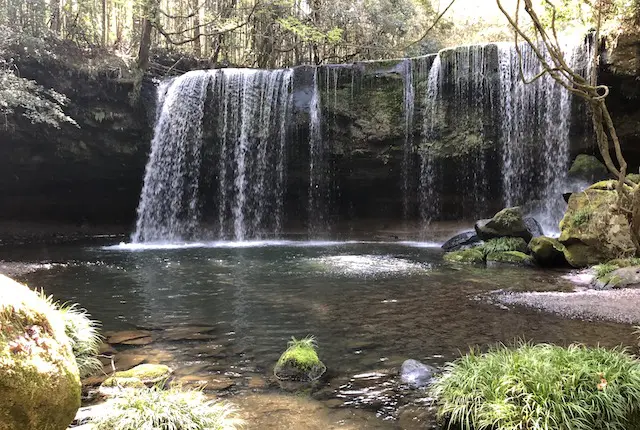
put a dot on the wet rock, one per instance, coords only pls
(188, 333)
(417, 417)
(460, 241)
(256, 382)
(547, 251)
(509, 258)
(507, 222)
(416, 374)
(533, 226)
(127, 337)
(588, 168)
(148, 374)
(469, 256)
(593, 230)
(625, 277)
(206, 382)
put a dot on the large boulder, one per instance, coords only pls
(624, 277)
(588, 168)
(593, 230)
(461, 241)
(533, 226)
(507, 222)
(39, 379)
(547, 251)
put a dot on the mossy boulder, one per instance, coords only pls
(507, 222)
(39, 379)
(516, 258)
(588, 168)
(468, 256)
(547, 251)
(593, 230)
(300, 362)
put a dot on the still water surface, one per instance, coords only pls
(370, 305)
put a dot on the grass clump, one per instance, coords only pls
(581, 217)
(543, 387)
(300, 361)
(301, 354)
(604, 269)
(173, 409)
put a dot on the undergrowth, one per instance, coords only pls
(541, 387)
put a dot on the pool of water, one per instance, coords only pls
(370, 305)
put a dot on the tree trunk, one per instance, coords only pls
(55, 16)
(105, 24)
(197, 46)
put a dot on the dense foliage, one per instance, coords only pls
(542, 387)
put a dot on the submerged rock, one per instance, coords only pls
(588, 168)
(516, 258)
(39, 378)
(460, 241)
(507, 222)
(473, 256)
(547, 251)
(300, 362)
(593, 230)
(416, 374)
(137, 377)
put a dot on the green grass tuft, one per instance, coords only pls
(301, 354)
(173, 409)
(604, 269)
(543, 387)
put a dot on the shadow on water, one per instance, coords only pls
(370, 306)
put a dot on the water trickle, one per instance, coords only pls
(217, 157)
(409, 105)
(318, 164)
(429, 202)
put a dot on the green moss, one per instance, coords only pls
(472, 255)
(121, 382)
(587, 166)
(604, 269)
(547, 251)
(510, 257)
(502, 244)
(634, 177)
(300, 354)
(581, 217)
(541, 387)
(146, 372)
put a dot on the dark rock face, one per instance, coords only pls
(90, 174)
(416, 374)
(533, 226)
(461, 241)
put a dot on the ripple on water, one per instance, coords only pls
(367, 265)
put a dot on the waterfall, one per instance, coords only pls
(407, 151)
(318, 164)
(217, 157)
(534, 130)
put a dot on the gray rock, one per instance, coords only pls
(507, 222)
(625, 277)
(533, 226)
(416, 374)
(460, 241)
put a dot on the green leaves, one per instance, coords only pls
(541, 387)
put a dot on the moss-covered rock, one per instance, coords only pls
(148, 374)
(509, 258)
(588, 168)
(470, 256)
(593, 230)
(300, 362)
(624, 277)
(39, 380)
(547, 251)
(507, 222)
